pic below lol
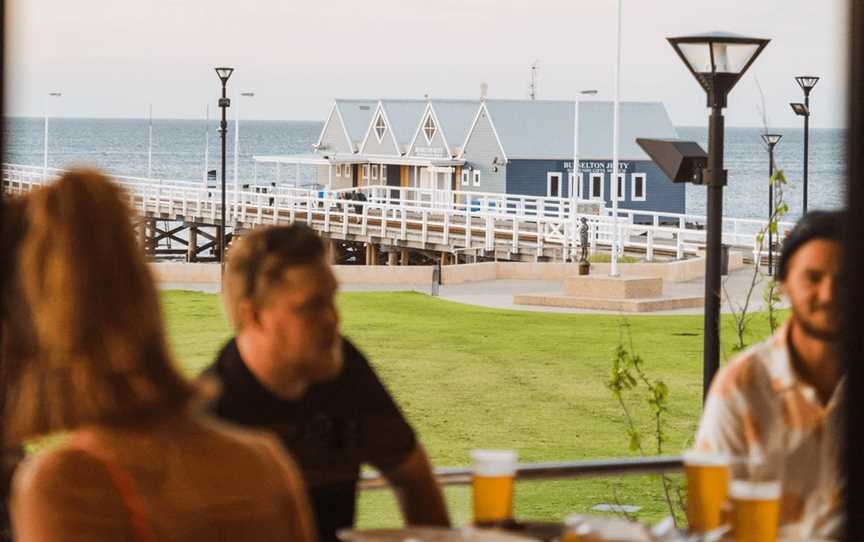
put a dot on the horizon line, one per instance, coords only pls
(216, 120)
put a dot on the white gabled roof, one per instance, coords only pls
(356, 116)
(402, 116)
(527, 129)
(455, 118)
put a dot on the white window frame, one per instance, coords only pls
(633, 178)
(339, 169)
(466, 177)
(346, 171)
(383, 175)
(383, 126)
(476, 177)
(426, 121)
(374, 176)
(365, 172)
(592, 178)
(549, 175)
(577, 187)
(622, 186)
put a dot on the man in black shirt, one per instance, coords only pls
(289, 370)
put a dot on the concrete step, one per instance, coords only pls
(648, 304)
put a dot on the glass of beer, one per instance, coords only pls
(707, 487)
(492, 485)
(755, 510)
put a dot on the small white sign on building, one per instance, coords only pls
(429, 152)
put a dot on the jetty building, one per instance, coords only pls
(445, 147)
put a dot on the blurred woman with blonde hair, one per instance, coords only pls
(140, 461)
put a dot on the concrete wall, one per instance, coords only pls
(676, 271)
(205, 273)
(208, 273)
(471, 272)
(383, 274)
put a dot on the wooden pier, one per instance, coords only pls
(390, 225)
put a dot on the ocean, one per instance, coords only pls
(120, 146)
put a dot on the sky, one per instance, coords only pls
(116, 58)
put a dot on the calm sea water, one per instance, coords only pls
(120, 146)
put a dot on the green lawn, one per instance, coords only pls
(469, 377)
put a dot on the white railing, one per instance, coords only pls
(472, 221)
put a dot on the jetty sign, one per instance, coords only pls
(429, 152)
(596, 166)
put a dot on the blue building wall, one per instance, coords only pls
(529, 177)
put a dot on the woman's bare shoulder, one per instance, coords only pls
(66, 494)
(265, 444)
(64, 466)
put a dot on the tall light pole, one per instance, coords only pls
(237, 144)
(806, 82)
(45, 136)
(150, 142)
(717, 60)
(224, 103)
(613, 268)
(771, 140)
(577, 174)
(206, 144)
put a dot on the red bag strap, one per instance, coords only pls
(125, 486)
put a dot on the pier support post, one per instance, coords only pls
(148, 233)
(192, 249)
(392, 257)
(403, 256)
(332, 252)
(371, 254)
(217, 248)
(142, 235)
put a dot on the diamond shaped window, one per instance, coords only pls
(380, 127)
(429, 128)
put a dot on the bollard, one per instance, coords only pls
(724, 260)
(436, 277)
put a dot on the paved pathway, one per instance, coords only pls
(499, 294)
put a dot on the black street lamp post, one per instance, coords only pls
(771, 140)
(224, 103)
(806, 82)
(717, 60)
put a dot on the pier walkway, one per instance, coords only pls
(392, 222)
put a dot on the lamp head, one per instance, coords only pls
(771, 139)
(224, 74)
(681, 161)
(800, 109)
(718, 60)
(807, 82)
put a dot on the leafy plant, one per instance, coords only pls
(627, 377)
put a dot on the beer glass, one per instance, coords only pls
(492, 485)
(755, 510)
(707, 486)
